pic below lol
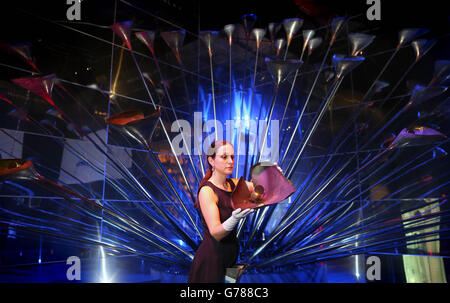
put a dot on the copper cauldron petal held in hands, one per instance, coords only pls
(270, 187)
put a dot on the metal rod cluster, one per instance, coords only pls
(381, 195)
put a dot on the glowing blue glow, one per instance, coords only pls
(104, 275)
(238, 110)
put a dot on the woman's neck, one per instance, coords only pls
(219, 179)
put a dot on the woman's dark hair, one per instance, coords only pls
(210, 153)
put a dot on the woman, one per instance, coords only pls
(219, 248)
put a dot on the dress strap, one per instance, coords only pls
(209, 184)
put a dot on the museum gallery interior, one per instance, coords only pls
(337, 113)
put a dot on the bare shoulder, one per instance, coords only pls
(207, 194)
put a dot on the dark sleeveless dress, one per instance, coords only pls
(213, 257)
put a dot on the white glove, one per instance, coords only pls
(236, 216)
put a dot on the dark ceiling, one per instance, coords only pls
(71, 48)
(42, 23)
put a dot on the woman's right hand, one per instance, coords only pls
(240, 214)
(236, 216)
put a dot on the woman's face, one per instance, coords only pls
(223, 162)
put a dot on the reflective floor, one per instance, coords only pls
(132, 269)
